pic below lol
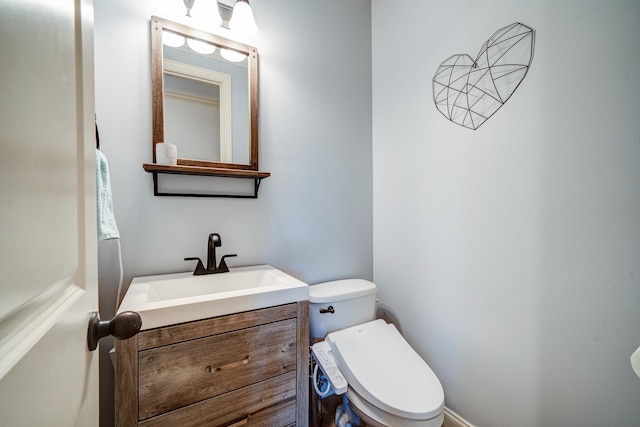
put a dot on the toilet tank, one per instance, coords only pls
(339, 304)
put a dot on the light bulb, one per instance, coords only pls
(232, 55)
(205, 14)
(172, 39)
(201, 47)
(242, 21)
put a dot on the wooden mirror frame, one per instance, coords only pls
(158, 25)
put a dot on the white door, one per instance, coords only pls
(48, 260)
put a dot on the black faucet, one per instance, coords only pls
(214, 242)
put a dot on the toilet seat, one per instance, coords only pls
(386, 372)
(373, 416)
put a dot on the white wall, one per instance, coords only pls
(511, 254)
(313, 217)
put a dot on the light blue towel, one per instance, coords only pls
(107, 228)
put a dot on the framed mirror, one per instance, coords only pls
(204, 97)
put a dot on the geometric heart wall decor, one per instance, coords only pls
(468, 91)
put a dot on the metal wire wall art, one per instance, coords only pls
(468, 91)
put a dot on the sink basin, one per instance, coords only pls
(182, 297)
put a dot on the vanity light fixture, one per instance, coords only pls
(242, 21)
(210, 15)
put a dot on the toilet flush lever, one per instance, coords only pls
(329, 309)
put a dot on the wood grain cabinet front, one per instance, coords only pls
(245, 369)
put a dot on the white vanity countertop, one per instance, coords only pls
(169, 299)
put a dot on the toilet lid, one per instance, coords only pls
(382, 367)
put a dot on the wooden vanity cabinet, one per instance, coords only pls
(245, 369)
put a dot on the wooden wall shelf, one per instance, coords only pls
(156, 169)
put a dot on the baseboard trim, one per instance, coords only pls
(451, 419)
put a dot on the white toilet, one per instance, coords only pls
(389, 383)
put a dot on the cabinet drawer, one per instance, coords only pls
(181, 374)
(248, 404)
(281, 415)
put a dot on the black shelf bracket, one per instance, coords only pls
(256, 187)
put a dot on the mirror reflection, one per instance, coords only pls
(204, 96)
